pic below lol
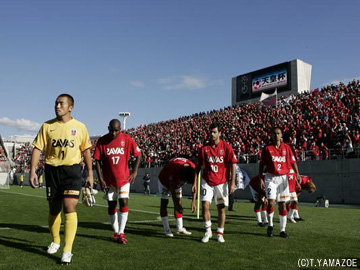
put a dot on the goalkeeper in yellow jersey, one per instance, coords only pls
(62, 140)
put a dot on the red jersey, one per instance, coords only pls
(292, 180)
(254, 183)
(171, 172)
(278, 161)
(217, 161)
(114, 155)
(304, 180)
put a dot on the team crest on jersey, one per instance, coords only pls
(73, 132)
(284, 152)
(221, 151)
(122, 143)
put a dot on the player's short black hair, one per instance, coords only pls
(275, 128)
(187, 174)
(217, 125)
(70, 99)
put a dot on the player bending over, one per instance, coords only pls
(171, 179)
(307, 184)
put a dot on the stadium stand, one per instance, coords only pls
(322, 124)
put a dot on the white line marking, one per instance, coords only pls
(99, 205)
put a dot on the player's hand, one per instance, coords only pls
(103, 186)
(262, 184)
(193, 189)
(232, 188)
(33, 180)
(193, 207)
(89, 182)
(132, 177)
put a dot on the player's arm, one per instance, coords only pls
(261, 177)
(133, 174)
(194, 186)
(88, 163)
(35, 158)
(233, 175)
(100, 175)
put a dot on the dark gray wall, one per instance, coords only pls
(337, 180)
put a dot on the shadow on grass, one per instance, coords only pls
(28, 228)
(20, 244)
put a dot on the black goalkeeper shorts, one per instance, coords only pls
(63, 182)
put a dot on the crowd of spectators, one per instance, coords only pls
(320, 125)
(317, 124)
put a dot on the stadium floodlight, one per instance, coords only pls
(124, 115)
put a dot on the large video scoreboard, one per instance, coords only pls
(283, 77)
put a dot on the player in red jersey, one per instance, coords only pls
(307, 184)
(171, 179)
(112, 154)
(258, 195)
(219, 162)
(276, 161)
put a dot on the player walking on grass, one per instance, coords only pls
(63, 139)
(219, 162)
(276, 161)
(171, 179)
(112, 155)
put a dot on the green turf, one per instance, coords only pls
(331, 233)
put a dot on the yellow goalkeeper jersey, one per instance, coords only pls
(62, 142)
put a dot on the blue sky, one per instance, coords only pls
(159, 59)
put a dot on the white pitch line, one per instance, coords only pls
(99, 205)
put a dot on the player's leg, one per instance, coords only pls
(221, 222)
(221, 197)
(296, 210)
(124, 211)
(71, 222)
(292, 207)
(165, 194)
(111, 197)
(270, 190)
(180, 229)
(264, 206)
(71, 193)
(282, 198)
(54, 221)
(207, 194)
(257, 207)
(55, 206)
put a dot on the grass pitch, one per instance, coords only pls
(326, 233)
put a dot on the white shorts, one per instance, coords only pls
(255, 194)
(277, 187)
(219, 192)
(293, 197)
(165, 193)
(117, 193)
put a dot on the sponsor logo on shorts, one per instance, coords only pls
(220, 199)
(71, 192)
(123, 192)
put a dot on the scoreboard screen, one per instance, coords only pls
(271, 80)
(266, 80)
